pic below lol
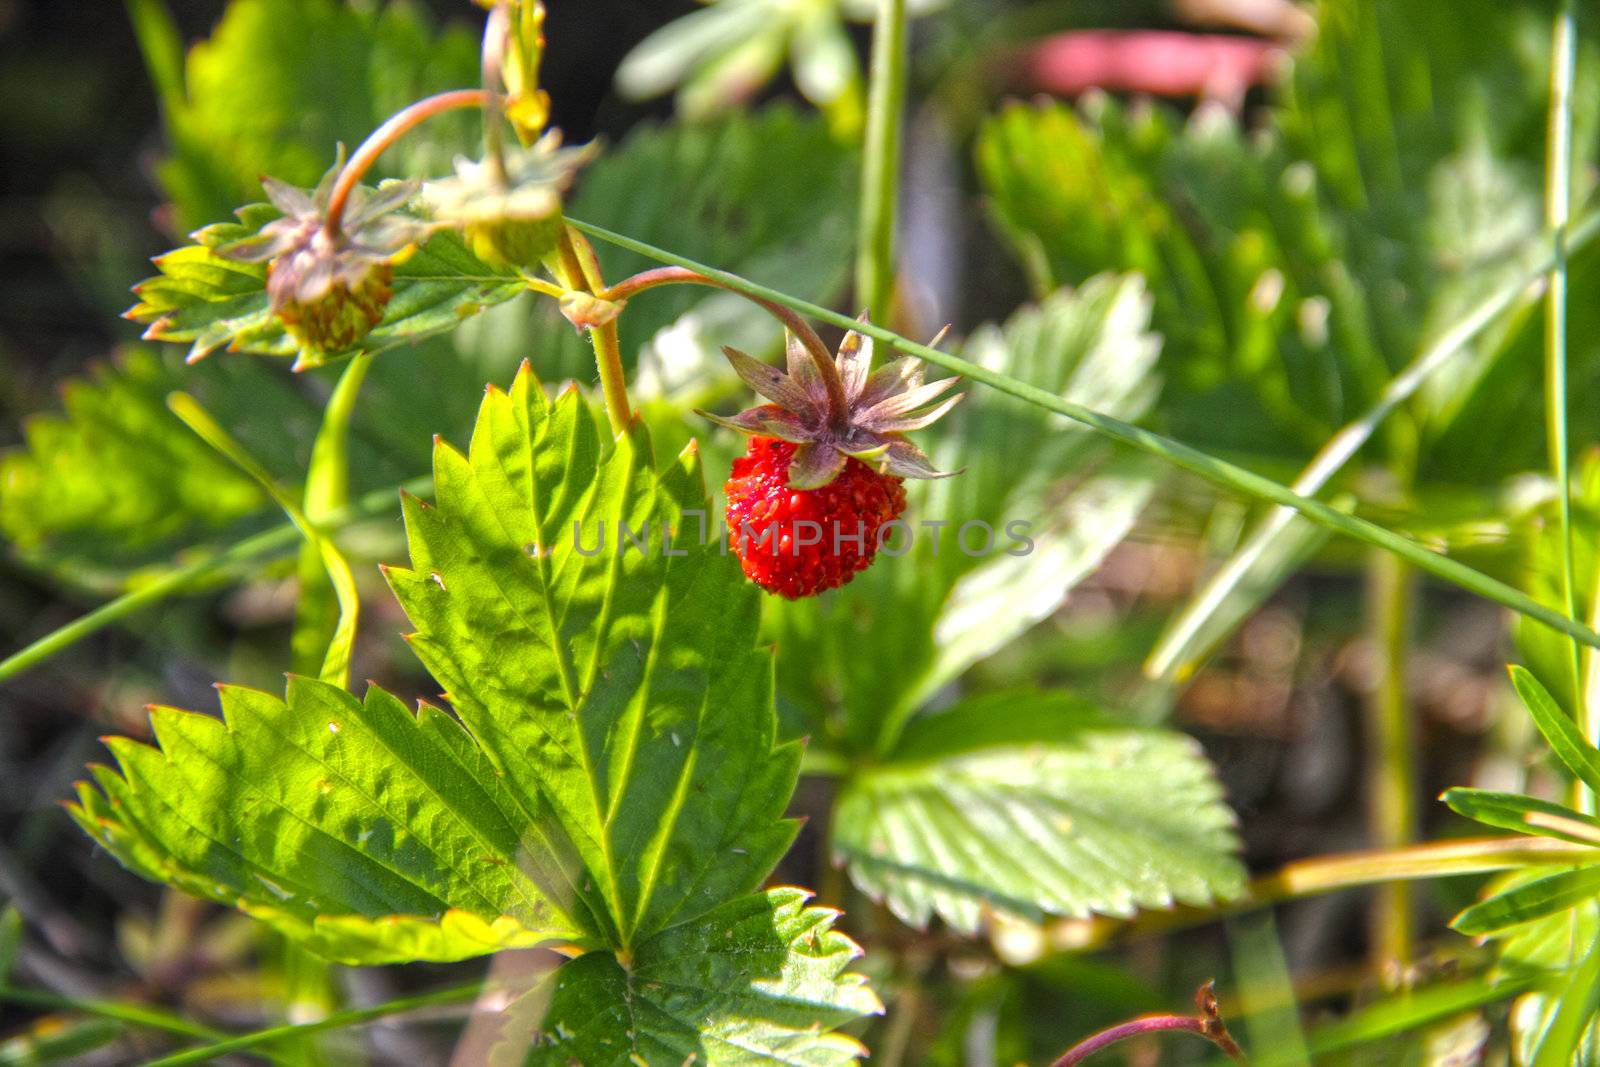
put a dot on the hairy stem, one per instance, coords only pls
(1207, 1024)
(880, 161)
(826, 369)
(582, 272)
(1391, 750)
(1219, 472)
(397, 126)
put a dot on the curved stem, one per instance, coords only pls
(396, 127)
(880, 161)
(495, 32)
(1219, 472)
(613, 380)
(826, 368)
(1207, 1024)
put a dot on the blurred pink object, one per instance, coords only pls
(1160, 62)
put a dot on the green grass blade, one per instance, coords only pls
(1558, 207)
(1569, 745)
(1185, 640)
(1218, 471)
(10, 941)
(337, 1021)
(1573, 1013)
(1529, 901)
(1529, 815)
(880, 161)
(162, 47)
(189, 575)
(336, 664)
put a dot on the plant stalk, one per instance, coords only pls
(826, 369)
(1217, 471)
(1391, 750)
(1207, 1024)
(1350, 870)
(1557, 216)
(582, 270)
(336, 1021)
(495, 31)
(394, 128)
(880, 161)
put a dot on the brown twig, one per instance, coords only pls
(1207, 1023)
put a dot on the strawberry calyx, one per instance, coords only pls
(839, 409)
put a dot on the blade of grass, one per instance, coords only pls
(336, 1021)
(132, 1014)
(1557, 213)
(1575, 1007)
(178, 579)
(336, 663)
(162, 47)
(1177, 651)
(880, 161)
(1569, 745)
(1402, 1014)
(1218, 471)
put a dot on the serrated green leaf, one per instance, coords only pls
(1524, 814)
(621, 686)
(207, 301)
(760, 980)
(1035, 804)
(1529, 901)
(1564, 737)
(114, 488)
(614, 770)
(320, 809)
(116, 475)
(280, 83)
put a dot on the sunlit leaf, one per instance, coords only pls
(1566, 740)
(1529, 901)
(1524, 814)
(207, 301)
(1034, 804)
(760, 980)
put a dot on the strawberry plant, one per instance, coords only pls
(607, 612)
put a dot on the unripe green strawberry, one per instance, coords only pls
(330, 288)
(341, 316)
(510, 217)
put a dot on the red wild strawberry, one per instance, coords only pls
(846, 516)
(824, 473)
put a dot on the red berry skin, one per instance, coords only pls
(763, 512)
